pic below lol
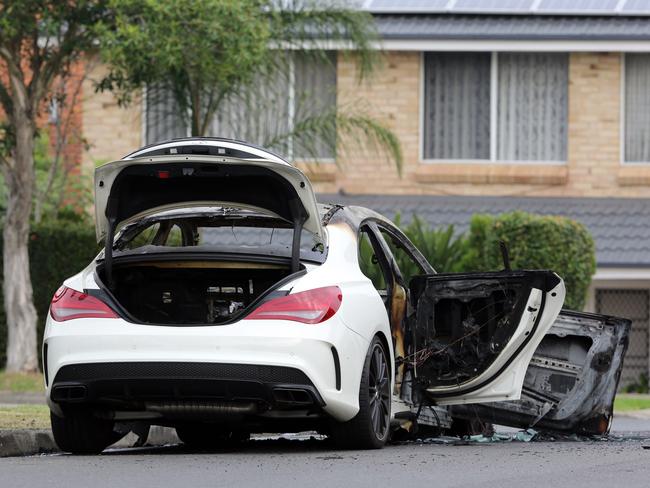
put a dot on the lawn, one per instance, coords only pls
(628, 402)
(24, 417)
(21, 382)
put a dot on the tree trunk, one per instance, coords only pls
(17, 286)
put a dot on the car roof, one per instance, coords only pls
(353, 215)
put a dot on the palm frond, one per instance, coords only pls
(340, 129)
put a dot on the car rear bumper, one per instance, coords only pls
(190, 389)
(278, 366)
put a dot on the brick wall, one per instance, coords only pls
(593, 167)
(392, 96)
(110, 131)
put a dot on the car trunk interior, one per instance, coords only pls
(191, 292)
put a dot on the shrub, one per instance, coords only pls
(57, 250)
(537, 242)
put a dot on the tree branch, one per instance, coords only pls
(7, 102)
(16, 77)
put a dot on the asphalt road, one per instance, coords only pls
(621, 461)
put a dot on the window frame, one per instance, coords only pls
(368, 227)
(494, 122)
(623, 114)
(411, 251)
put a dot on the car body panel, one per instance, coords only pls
(260, 342)
(190, 169)
(571, 380)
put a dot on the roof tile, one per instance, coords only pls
(620, 226)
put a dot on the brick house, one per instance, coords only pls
(542, 105)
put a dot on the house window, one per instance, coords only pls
(162, 116)
(637, 108)
(457, 106)
(274, 113)
(495, 107)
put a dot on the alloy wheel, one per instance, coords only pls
(379, 392)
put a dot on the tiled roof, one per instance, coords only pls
(516, 7)
(512, 27)
(620, 226)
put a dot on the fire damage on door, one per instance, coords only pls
(571, 381)
(457, 326)
(456, 329)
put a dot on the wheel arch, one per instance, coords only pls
(391, 360)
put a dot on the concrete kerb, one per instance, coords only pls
(29, 442)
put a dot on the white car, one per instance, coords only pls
(227, 301)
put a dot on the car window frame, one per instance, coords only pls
(408, 247)
(379, 250)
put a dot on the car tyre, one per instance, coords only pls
(370, 428)
(79, 432)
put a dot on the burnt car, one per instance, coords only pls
(226, 301)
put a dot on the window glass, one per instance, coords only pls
(231, 234)
(369, 263)
(143, 238)
(273, 107)
(408, 266)
(457, 106)
(637, 108)
(163, 116)
(175, 237)
(532, 106)
(314, 96)
(529, 106)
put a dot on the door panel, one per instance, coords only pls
(571, 381)
(475, 333)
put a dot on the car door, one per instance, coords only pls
(571, 380)
(470, 336)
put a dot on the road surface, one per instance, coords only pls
(622, 461)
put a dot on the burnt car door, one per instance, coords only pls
(468, 337)
(475, 333)
(571, 381)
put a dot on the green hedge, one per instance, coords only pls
(537, 242)
(57, 250)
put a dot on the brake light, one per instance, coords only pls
(309, 307)
(68, 304)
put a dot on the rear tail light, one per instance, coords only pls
(68, 304)
(309, 307)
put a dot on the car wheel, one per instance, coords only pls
(79, 432)
(370, 428)
(206, 436)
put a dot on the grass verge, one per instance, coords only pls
(21, 382)
(24, 417)
(628, 402)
